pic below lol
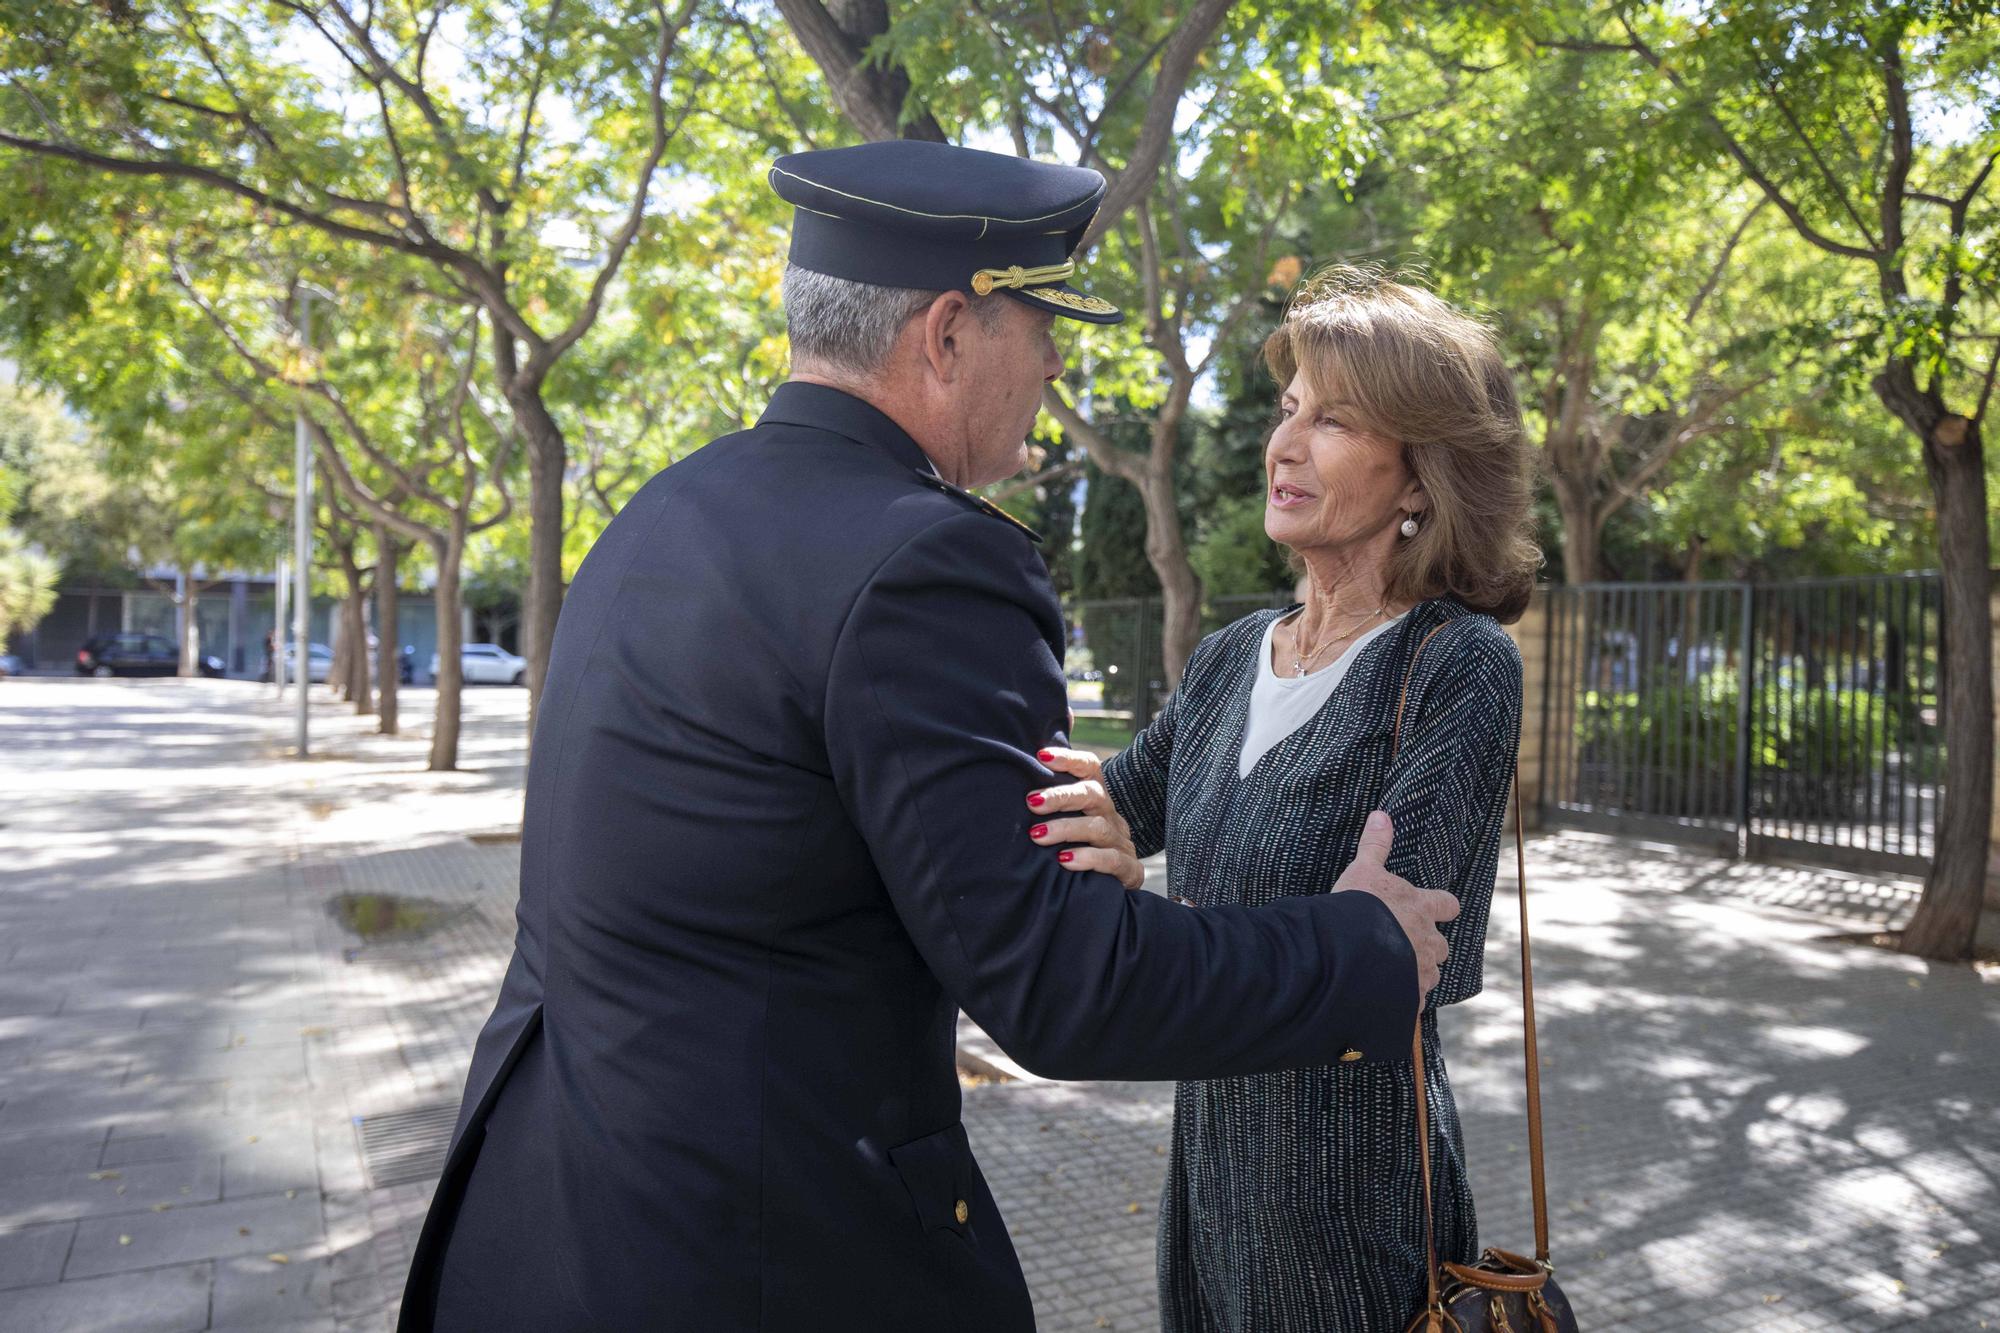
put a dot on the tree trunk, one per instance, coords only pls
(450, 641)
(1180, 586)
(1947, 917)
(389, 650)
(358, 689)
(1580, 529)
(547, 458)
(349, 672)
(872, 95)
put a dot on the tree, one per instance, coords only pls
(471, 173)
(1873, 131)
(394, 420)
(31, 430)
(27, 584)
(1645, 300)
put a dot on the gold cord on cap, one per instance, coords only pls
(987, 279)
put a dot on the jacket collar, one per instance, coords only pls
(817, 407)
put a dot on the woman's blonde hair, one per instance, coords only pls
(1430, 378)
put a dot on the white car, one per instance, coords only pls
(488, 664)
(319, 663)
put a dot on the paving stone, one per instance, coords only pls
(33, 1255)
(49, 1150)
(254, 1292)
(125, 1189)
(273, 1224)
(267, 1167)
(163, 1300)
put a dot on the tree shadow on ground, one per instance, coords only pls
(1740, 1115)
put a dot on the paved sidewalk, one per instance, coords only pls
(1750, 1127)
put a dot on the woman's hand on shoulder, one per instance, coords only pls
(1079, 817)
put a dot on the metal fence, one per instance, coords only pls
(1115, 644)
(1800, 720)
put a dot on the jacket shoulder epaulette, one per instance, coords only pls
(984, 506)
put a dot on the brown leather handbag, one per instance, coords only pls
(1503, 1292)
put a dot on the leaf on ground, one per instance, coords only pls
(1131, 1207)
(104, 1175)
(124, 1240)
(279, 1258)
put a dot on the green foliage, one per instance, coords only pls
(1674, 736)
(27, 585)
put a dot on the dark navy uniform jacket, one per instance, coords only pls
(776, 835)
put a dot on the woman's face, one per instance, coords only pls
(1329, 484)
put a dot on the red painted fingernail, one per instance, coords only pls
(1035, 799)
(1038, 830)
(1065, 857)
(1043, 755)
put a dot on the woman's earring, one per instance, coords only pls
(1410, 526)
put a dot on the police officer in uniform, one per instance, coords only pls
(776, 835)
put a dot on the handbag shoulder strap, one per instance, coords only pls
(1537, 1184)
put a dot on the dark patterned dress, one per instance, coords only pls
(1293, 1200)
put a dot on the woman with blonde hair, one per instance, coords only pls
(1398, 474)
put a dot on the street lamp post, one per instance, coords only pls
(302, 472)
(302, 565)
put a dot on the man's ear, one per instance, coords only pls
(945, 322)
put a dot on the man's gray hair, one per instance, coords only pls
(853, 325)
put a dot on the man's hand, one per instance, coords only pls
(1418, 911)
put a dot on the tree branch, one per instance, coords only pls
(1736, 150)
(670, 30)
(871, 97)
(1021, 485)
(1156, 130)
(1833, 183)
(1108, 456)
(1722, 261)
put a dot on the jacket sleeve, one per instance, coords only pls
(1136, 777)
(944, 681)
(1446, 786)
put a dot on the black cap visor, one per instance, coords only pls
(1064, 300)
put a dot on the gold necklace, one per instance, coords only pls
(1299, 663)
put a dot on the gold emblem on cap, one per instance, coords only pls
(1092, 305)
(987, 279)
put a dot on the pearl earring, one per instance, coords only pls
(1410, 527)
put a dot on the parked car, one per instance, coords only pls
(10, 665)
(319, 663)
(488, 664)
(137, 655)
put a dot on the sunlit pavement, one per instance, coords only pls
(1749, 1126)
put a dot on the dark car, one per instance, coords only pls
(136, 655)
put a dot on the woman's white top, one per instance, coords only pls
(1280, 705)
